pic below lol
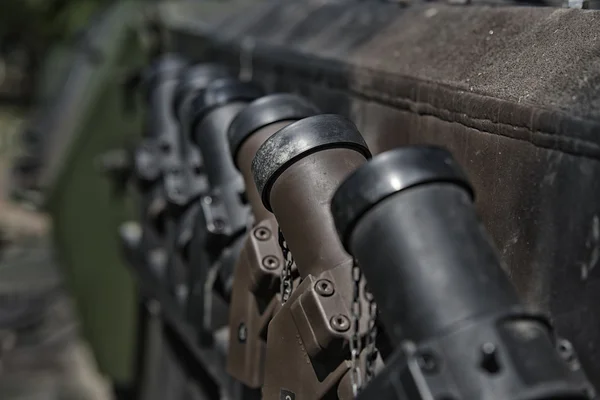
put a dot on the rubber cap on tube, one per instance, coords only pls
(265, 111)
(389, 173)
(299, 139)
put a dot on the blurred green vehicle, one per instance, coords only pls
(77, 55)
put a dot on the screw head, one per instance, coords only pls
(324, 287)
(427, 362)
(262, 233)
(242, 333)
(270, 262)
(340, 323)
(565, 349)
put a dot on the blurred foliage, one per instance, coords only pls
(34, 34)
(37, 23)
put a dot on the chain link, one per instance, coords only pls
(372, 352)
(355, 341)
(286, 272)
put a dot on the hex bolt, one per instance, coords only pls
(340, 323)
(262, 233)
(270, 262)
(324, 287)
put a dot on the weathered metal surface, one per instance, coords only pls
(512, 92)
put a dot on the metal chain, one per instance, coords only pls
(371, 355)
(355, 341)
(286, 272)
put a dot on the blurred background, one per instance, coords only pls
(45, 44)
